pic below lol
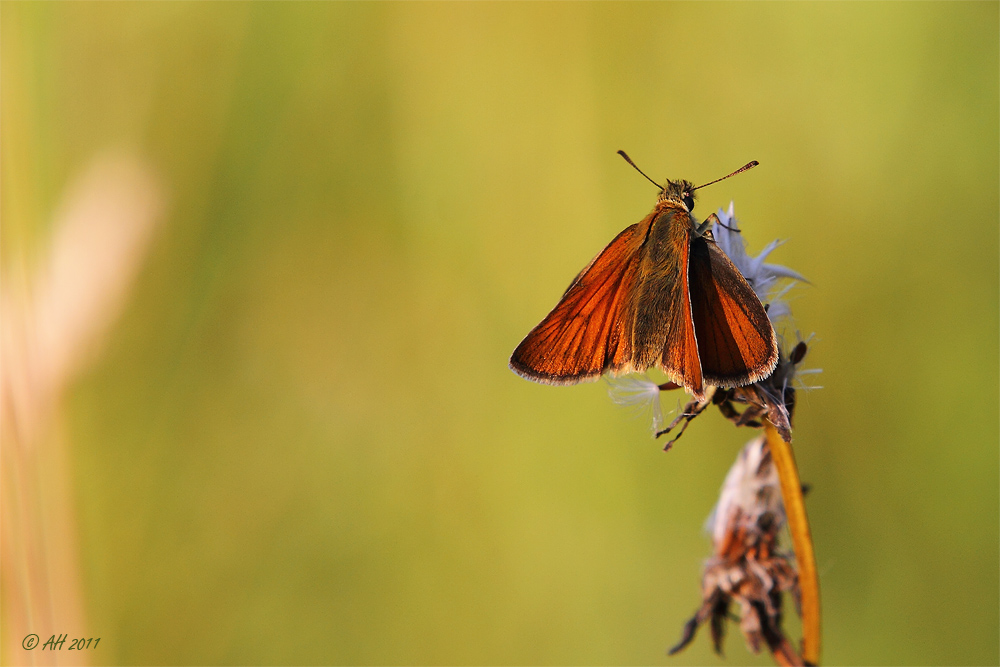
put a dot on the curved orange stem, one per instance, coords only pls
(798, 526)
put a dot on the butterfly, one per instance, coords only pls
(661, 295)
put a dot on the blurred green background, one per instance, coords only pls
(301, 443)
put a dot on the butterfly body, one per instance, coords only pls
(662, 294)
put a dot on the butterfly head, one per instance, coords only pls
(680, 192)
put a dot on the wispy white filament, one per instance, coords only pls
(640, 392)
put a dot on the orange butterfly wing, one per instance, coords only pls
(589, 332)
(664, 331)
(736, 341)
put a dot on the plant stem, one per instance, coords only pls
(798, 526)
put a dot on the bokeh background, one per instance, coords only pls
(298, 442)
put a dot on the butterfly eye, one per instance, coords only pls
(689, 201)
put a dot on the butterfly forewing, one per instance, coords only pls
(736, 342)
(589, 332)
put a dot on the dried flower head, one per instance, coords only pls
(746, 567)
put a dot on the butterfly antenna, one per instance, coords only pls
(748, 165)
(629, 160)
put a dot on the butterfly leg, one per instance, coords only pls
(709, 221)
(690, 411)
